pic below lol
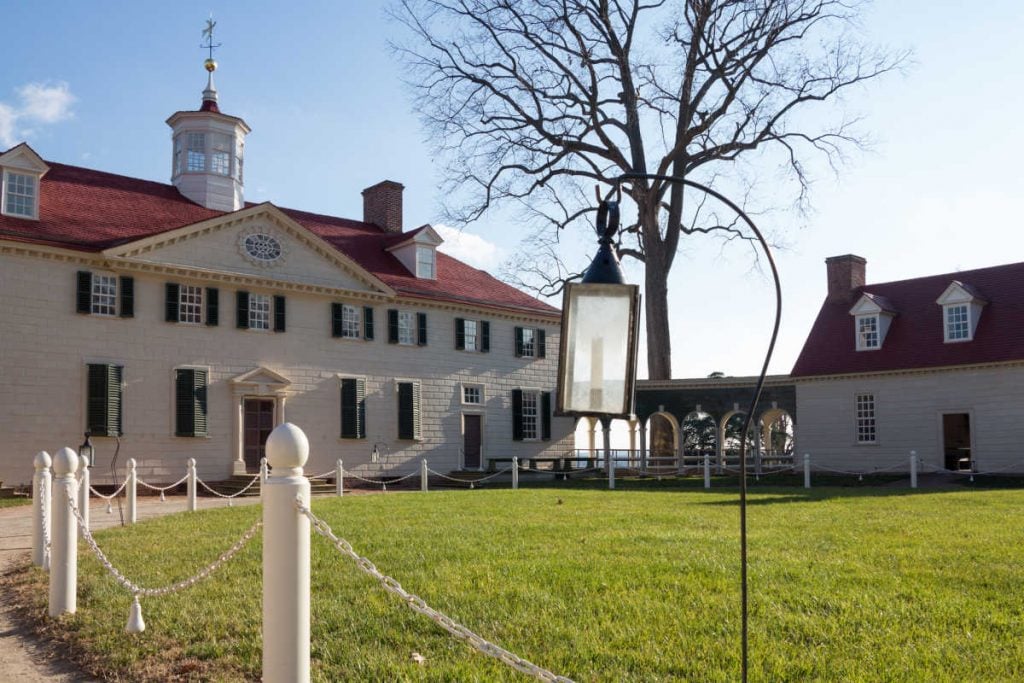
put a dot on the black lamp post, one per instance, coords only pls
(597, 355)
(86, 450)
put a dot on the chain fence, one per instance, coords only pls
(418, 605)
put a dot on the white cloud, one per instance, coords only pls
(37, 104)
(470, 248)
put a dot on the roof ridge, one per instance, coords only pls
(955, 275)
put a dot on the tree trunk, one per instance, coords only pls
(659, 344)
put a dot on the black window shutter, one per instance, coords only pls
(349, 409)
(83, 297)
(336, 327)
(541, 350)
(103, 409)
(392, 326)
(421, 325)
(460, 333)
(361, 411)
(519, 342)
(279, 314)
(127, 285)
(368, 322)
(517, 414)
(190, 402)
(406, 418)
(171, 302)
(545, 415)
(485, 336)
(212, 306)
(242, 309)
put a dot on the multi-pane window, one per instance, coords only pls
(529, 417)
(472, 394)
(190, 304)
(425, 262)
(958, 325)
(238, 161)
(259, 312)
(471, 335)
(530, 342)
(350, 322)
(196, 152)
(104, 294)
(865, 418)
(20, 197)
(406, 327)
(867, 332)
(220, 154)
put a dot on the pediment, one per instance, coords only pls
(262, 376)
(424, 235)
(872, 304)
(260, 241)
(959, 293)
(24, 158)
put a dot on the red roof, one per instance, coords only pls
(915, 336)
(91, 211)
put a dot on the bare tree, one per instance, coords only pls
(536, 101)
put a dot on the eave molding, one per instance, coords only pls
(807, 379)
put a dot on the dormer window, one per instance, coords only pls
(426, 262)
(872, 315)
(961, 310)
(21, 169)
(867, 332)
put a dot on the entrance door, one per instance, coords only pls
(956, 440)
(472, 429)
(259, 422)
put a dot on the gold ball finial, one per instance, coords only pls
(210, 65)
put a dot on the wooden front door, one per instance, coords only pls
(259, 422)
(471, 438)
(956, 438)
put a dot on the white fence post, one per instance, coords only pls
(707, 471)
(64, 540)
(913, 469)
(423, 475)
(263, 475)
(190, 484)
(339, 478)
(40, 507)
(83, 490)
(131, 491)
(515, 472)
(286, 559)
(807, 470)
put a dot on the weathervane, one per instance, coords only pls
(210, 64)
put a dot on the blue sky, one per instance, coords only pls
(92, 84)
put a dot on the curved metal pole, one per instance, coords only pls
(760, 381)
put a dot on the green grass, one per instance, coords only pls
(12, 502)
(847, 584)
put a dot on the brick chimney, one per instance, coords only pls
(845, 274)
(382, 205)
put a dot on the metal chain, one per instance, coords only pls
(328, 473)
(165, 488)
(380, 482)
(138, 590)
(112, 495)
(470, 481)
(417, 604)
(233, 495)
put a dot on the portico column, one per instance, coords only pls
(238, 464)
(592, 436)
(281, 398)
(643, 444)
(633, 422)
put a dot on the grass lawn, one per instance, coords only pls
(847, 584)
(18, 500)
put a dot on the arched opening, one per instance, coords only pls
(731, 427)
(664, 441)
(700, 438)
(777, 437)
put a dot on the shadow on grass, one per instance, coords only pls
(778, 488)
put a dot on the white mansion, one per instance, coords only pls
(189, 323)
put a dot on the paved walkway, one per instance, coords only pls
(22, 658)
